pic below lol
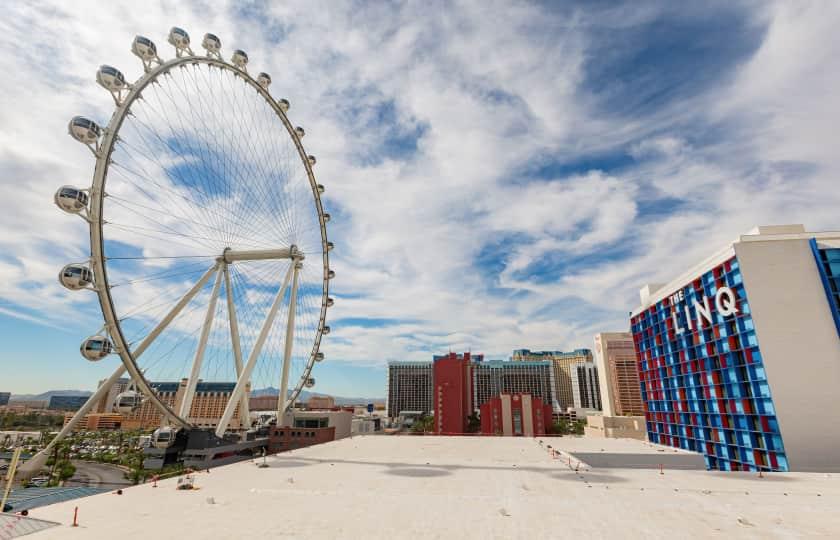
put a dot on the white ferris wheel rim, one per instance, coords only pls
(97, 238)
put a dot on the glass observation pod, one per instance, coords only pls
(96, 348)
(327, 217)
(71, 199)
(179, 37)
(127, 402)
(326, 330)
(310, 382)
(330, 246)
(164, 437)
(330, 302)
(283, 104)
(264, 79)
(330, 274)
(311, 159)
(300, 132)
(239, 58)
(76, 277)
(144, 48)
(319, 357)
(84, 130)
(211, 42)
(110, 78)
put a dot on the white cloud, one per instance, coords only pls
(493, 92)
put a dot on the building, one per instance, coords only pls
(454, 386)
(66, 403)
(96, 421)
(4, 398)
(208, 404)
(586, 390)
(409, 387)
(615, 427)
(562, 369)
(739, 357)
(453, 394)
(495, 377)
(263, 403)
(320, 402)
(306, 428)
(618, 374)
(515, 415)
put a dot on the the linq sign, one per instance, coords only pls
(725, 304)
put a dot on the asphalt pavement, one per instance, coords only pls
(97, 475)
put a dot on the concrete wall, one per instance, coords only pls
(800, 347)
(615, 427)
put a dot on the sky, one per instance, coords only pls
(500, 175)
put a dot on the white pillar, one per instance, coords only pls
(192, 382)
(244, 413)
(282, 406)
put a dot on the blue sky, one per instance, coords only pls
(499, 176)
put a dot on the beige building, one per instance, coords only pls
(616, 427)
(96, 421)
(320, 402)
(618, 374)
(207, 407)
(562, 363)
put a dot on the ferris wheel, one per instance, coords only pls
(208, 237)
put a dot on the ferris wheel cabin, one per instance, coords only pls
(110, 78)
(84, 130)
(96, 348)
(144, 48)
(128, 402)
(211, 43)
(71, 199)
(76, 277)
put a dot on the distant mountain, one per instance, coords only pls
(305, 395)
(47, 395)
(270, 391)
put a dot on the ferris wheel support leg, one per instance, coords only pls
(242, 380)
(192, 382)
(287, 352)
(244, 413)
(37, 462)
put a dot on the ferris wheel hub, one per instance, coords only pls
(292, 252)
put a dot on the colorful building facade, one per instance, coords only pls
(738, 356)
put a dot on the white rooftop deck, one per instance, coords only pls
(459, 487)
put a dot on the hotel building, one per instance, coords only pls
(585, 387)
(739, 357)
(454, 386)
(409, 387)
(562, 363)
(618, 374)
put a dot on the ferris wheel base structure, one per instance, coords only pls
(201, 449)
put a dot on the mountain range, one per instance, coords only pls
(270, 391)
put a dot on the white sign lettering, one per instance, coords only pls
(725, 304)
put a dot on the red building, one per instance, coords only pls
(515, 415)
(453, 392)
(282, 439)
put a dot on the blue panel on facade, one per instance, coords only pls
(828, 262)
(702, 377)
